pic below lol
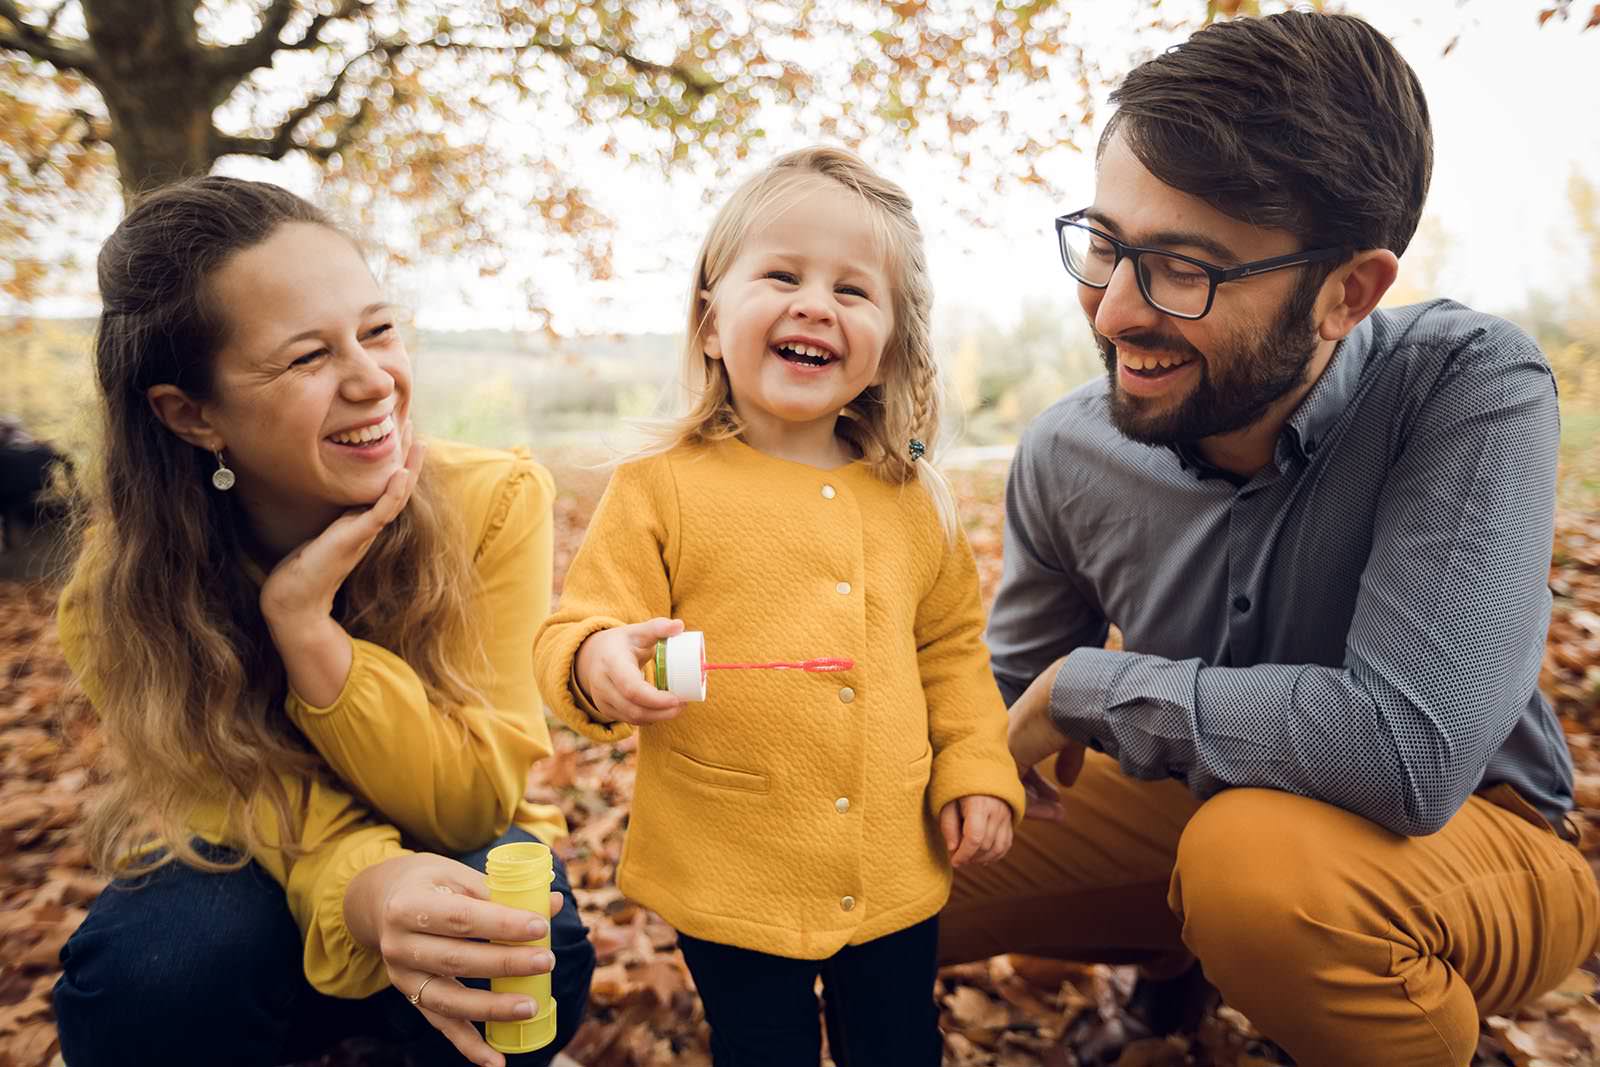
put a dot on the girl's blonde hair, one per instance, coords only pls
(882, 422)
(185, 678)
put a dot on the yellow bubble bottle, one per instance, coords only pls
(519, 875)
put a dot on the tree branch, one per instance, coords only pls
(227, 144)
(343, 135)
(50, 23)
(242, 58)
(40, 44)
(282, 141)
(279, 145)
(234, 63)
(312, 38)
(697, 81)
(93, 133)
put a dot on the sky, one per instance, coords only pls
(1512, 105)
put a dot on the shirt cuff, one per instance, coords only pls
(335, 963)
(569, 702)
(1135, 707)
(579, 697)
(359, 665)
(1081, 693)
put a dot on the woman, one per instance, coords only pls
(310, 650)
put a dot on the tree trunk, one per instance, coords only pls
(151, 72)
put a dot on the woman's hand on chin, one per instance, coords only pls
(429, 916)
(297, 597)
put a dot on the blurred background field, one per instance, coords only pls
(575, 400)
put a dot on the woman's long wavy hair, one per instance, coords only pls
(881, 422)
(179, 663)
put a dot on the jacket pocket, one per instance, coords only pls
(712, 774)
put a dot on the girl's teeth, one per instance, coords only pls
(809, 351)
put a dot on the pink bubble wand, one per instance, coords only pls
(813, 666)
(681, 667)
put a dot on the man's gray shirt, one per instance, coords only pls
(1361, 622)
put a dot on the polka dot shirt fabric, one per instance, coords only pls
(1362, 621)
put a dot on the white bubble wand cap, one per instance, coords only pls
(681, 666)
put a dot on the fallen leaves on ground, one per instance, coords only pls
(1010, 1011)
(47, 744)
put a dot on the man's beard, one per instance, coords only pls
(1255, 368)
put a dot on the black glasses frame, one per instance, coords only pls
(1215, 274)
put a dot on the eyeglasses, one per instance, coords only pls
(1173, 284)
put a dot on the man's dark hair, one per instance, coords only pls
(1303, 122)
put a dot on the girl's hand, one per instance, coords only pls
(422, 912)
(302, 586)
(609, 667)
(977, 829)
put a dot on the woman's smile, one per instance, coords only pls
(374, 439)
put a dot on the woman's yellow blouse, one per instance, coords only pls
(410, 772)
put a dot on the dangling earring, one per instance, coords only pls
(222, 477)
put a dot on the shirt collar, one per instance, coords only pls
(1315, 416)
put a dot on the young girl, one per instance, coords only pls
(796, 824)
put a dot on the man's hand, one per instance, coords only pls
(977, 829)
(1032, 737)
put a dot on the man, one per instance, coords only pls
(1321, 764)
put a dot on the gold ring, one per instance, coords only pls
(414, 997)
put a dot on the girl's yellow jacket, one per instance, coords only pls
(790, 813)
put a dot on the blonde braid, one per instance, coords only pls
(925, 401)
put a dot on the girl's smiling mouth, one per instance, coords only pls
(804, 352)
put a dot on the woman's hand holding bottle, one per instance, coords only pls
(426, 914)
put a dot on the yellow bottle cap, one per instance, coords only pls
(526, 1036)
(518, 866)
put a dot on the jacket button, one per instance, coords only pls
(841, 805)
(843, 588)
(827, 492)
(846, 695)
(847, 903)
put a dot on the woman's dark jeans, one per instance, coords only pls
(185, 967)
